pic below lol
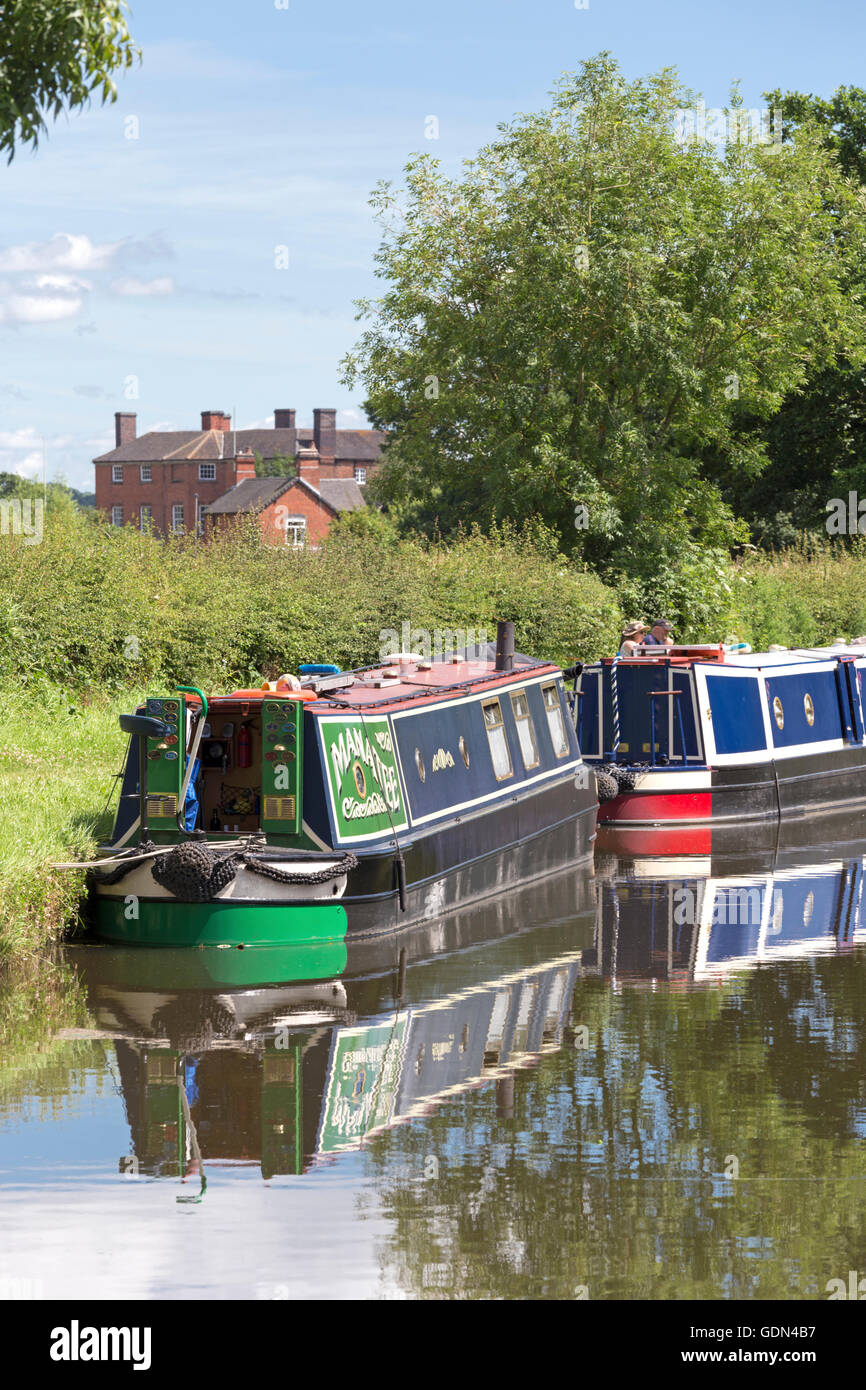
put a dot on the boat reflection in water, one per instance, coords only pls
(220, 1065)
(286, 1058)
(681, 918)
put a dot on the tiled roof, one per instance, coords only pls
(212, 445)
(254, 494)
(343, 494)
(249, 496)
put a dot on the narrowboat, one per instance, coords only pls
(700, 735)
(360, 801)
(688, 919)
(285, 1057)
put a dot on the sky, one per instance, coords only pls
(201, 243)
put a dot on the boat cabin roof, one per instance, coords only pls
(398, 682)
(716, 654)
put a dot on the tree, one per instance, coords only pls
(55, 54)
(279, 466)
(570, 323)
(816, 443)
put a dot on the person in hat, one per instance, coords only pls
(659, 634)
(632, 635)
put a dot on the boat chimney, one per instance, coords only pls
(505, 646)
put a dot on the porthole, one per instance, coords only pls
(464, 751)
(778, 712)
(809, 707)
(419, 763)
(360, 779)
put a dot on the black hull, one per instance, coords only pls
(495, 856)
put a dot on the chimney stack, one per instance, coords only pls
(284, 419)
(124, 428)
(308, 465)
(216, 420)
(245, 465)
(325, 433)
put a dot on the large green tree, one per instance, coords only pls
(816, 443)
(54, 55)
(569, 325)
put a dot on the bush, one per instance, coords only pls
(96, 605)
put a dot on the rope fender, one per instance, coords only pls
(612, 779)
(194, 872)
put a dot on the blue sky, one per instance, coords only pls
(137, 246)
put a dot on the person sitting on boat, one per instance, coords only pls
(659, 634)
(632, 635)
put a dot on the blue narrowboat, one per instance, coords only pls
(701, 735)
(350, 801)
(685, 918)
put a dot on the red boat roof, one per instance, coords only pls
(397, 683)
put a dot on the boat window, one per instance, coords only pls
(555, 721)
(495, 726)
(525, 729)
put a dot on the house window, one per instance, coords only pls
(360, 476)
(117, 472)
(495, 726)
(296, 531)
(207, 472)
(146, 473)
(177, 517)
(145, 517)
(525, 729)
(555, 721)
(117, 516)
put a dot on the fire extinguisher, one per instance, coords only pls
(245, 747)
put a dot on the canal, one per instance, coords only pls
(646, 1083)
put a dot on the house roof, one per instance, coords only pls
(343, 494)
(250, 496)
(211, 445)
(254, 494)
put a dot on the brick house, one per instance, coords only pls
(166, 480)
(289, 511)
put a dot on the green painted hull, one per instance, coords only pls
(221, 923)
(214, 967)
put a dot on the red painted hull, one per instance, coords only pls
(643, 808)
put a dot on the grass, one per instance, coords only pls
(58, 757)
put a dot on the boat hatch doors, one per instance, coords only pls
(166, 761)
(282, 765)
(849, 700)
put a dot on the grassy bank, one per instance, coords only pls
(58, 755)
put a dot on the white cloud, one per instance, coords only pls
(29, 467)
(31, 308)
(63, 251)
(69, 283)
(134, 287)
(28, 437)
(352, 419)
